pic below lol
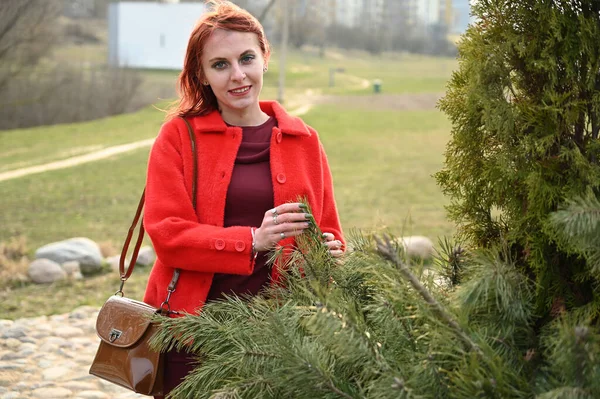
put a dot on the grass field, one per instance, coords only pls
(381, 160)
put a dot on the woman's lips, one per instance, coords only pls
(240, 91)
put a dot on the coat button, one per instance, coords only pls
(279, 137)
(240, 246)
(281, 178)
(219, 244)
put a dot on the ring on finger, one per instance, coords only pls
(275, 219)
(282, 234)
(274, 211)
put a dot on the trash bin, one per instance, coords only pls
(377, 86)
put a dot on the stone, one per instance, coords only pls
(88, 324)
(34, 321)
(43, 384)
(71, 365)
(80, 386)
(28, 340)
(109, 387)
(11, 395)
(73, 270)
(4, 324)
(21, 386)
(12, 356)
(86, 376)
(8, 378)
(14, 332)
(80, 342)
(146, 256)
(419, 247)
(55, 393)
(65, 354)
(26, 352)
(49, 347)
(80, 249)
(12, 343)
(92, 395)
(55, 373)
(58, 341)
(82, 313)
(60, 318)
(45, 271)
(44, 364)
(10, 366)
(44, 327)
(68, 332)
(71, 267)
(26, 346)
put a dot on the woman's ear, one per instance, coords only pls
(202, 78)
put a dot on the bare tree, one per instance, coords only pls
(265, 11)
(28, 31)
(306, 22)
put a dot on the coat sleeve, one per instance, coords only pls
(330, 219)
(179, 240)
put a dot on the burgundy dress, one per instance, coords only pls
(249, 196)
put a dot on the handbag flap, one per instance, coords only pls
(122, 321)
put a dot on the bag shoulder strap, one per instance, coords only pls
(125, 274)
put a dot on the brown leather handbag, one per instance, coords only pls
(125, 326)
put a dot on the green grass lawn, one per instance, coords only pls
(382, 162)
(399, 74)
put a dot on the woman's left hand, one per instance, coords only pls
(335, 246)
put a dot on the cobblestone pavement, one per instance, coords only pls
(49, 357)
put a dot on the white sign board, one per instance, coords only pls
(150, 35)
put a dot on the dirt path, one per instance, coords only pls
(97, 155)
(392, 102)
(66, 163)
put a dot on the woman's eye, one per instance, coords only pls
(247, 59)
(219, 65)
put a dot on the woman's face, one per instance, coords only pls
(233, 63)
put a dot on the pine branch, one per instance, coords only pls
(335, 389)
(386, 248)
(578, 224)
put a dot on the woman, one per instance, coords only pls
(254, 162)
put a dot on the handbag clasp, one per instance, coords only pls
(114, 335)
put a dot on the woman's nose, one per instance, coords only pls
(237, 73)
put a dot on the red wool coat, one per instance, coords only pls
(197, 242)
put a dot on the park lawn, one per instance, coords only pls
(399, 74)
(382, 162)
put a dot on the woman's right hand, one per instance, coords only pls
(283, 221)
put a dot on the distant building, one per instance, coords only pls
(461, 16)
(150, 34)
(427, 12)
(347, 12)
(372, 14)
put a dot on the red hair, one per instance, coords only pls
(194, 97)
